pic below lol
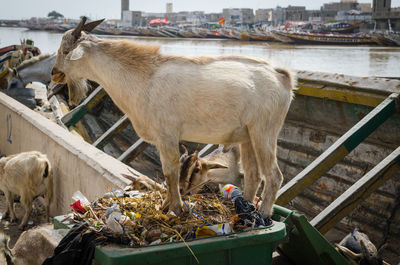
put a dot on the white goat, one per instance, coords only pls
(208, 99)
(27, 174)
(221, 167)
(32, 247)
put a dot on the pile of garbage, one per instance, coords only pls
(137, 217)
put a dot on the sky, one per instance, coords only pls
(109, 9)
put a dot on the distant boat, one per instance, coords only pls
(326, 39)
(341, 27)
(394, 37)
(260, 35)
(11, 56)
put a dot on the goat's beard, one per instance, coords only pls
(77, 89)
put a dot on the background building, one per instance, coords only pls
(169, 8)
(383, 14)
(132, 18)
(124, 7)
(238, 16)
(330, 10)
(261, 16)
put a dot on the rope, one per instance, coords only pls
(198, 215)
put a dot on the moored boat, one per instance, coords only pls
(328, 39)
(12, 55)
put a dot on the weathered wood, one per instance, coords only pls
(372, 85)
(90, 102)
(133, 151)
(113, 131)
(357, 192)
(337, 93)
(338, 150)
(206, 149)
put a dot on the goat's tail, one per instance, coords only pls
(288, 78)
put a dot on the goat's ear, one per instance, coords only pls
(77, 53)
(214, 165)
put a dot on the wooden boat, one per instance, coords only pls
(260, 35)
(394, 37)
(12, 55)
(280, 36)
(325, 108)
(328, 39)
(339, 130)
(383, 39)
(341, 27)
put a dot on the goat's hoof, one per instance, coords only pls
(176, 209)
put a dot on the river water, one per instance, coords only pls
(350, 60)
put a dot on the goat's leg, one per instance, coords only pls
(169, 155)
(264, 144)
(252, 178)
(7, 194)
(10, 206)
(27, 203)
(47, 207)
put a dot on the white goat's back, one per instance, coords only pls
(24, 172)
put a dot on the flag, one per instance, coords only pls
(221, 20)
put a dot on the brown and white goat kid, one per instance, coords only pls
(358, 249)
(27, 174)
(221, 167)
(32, 247)
(227, 99)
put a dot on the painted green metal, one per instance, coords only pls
(253, 247)
(90, 102)
(62, 222)
(133, 151)
(357, 192)
(113, 131)
(304, 244)
(338, 150)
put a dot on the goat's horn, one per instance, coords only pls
(79, 28)
(382, 248)
(90, 26)
(185, 149)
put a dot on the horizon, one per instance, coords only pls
(106, 9)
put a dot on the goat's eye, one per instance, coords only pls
(196, 170)
(65, 52)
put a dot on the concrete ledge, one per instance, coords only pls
(77, 164)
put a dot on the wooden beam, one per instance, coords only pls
(133, 151)
(206, 149)
(352, 96)
(90, 102)
(338, 150)
(113, 131)
(357, 192)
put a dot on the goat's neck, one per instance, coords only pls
(123, 82)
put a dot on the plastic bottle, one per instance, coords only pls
(246, 211)
(231, 192)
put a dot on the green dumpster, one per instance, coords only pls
(253, 247)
